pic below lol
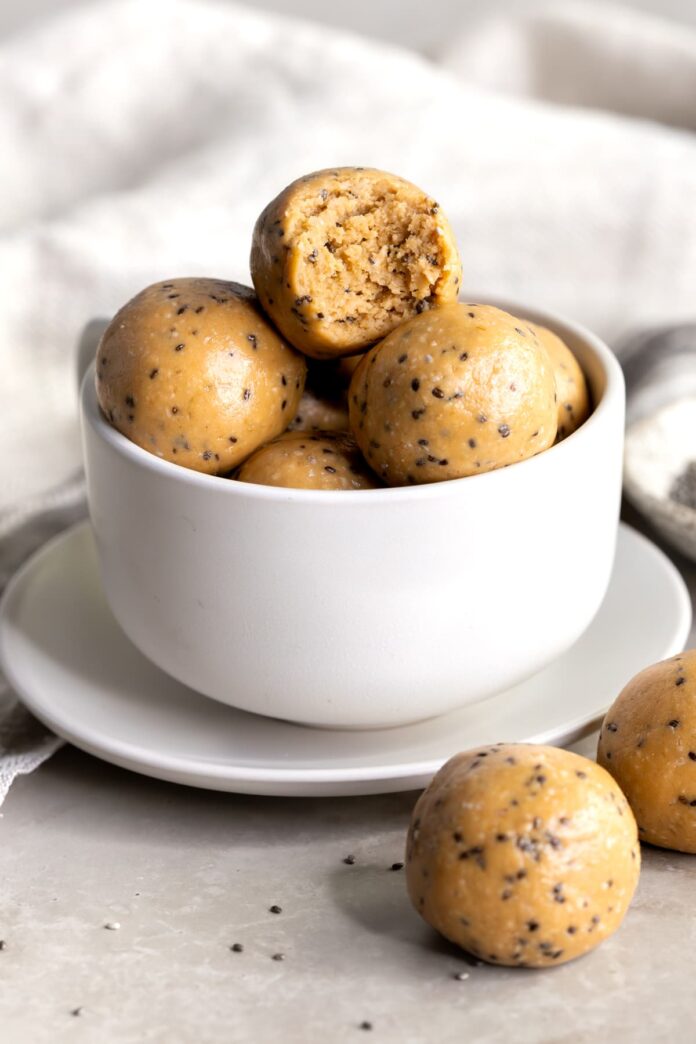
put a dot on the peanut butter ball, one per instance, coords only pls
(319, 413)
(324, 405)
(305, 460)
(191, 370)
(342, 256)
(522, 855)
(648, 743)
(573, 398)
(459, 390)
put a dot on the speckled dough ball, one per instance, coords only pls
(648, 743)
(316, 413)
(343, 256)
(463, 389)
(324, 405)
(192, 371)
(522, 855)
(301, 460)
(573, 399)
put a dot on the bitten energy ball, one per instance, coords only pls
(573, 398)
(342, 256)
(192, 371)
(648, 743)
(523, 855)
(301, 460)
(462, 389)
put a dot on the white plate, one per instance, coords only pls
(73, 667)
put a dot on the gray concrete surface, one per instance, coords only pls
(187, 874)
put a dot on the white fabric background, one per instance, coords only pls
(142, 137)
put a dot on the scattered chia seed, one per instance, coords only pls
(349, 860)
(275, 909)
(3, 945)
(397, 866)
(504, 430)
(112, 926)
(237, 948)
(278, 957)
(76, 1012)
(461, 976)
(365, 1025)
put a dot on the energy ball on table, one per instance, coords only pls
(522, 855)
(573, 399)
(300, 460)
(191, 370)
(342, 256)
(462, 389)
(648, 743)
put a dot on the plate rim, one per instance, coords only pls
(194, 772)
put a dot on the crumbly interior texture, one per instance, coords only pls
(648, 743)
(459, 390)
(341, 257)
(192, 371)
(523, 855)
(573, 397)
(306, 460)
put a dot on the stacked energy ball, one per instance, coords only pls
(353, 339)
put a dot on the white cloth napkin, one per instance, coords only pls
(142, 137)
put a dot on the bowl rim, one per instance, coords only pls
(612, 397)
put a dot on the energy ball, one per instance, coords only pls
(300, 460)
(324, 405)
(462, 389)
(191, 370)
(318, 413)
(342, 256)
(523, 855)
(648, 743)
(573, 399)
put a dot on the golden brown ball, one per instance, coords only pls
(191, 370)
(306, 460)
(342, 256)
(523, 855)
(648, 743)
(573, 397)
(457, 391)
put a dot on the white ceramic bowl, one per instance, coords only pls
(367, 608)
